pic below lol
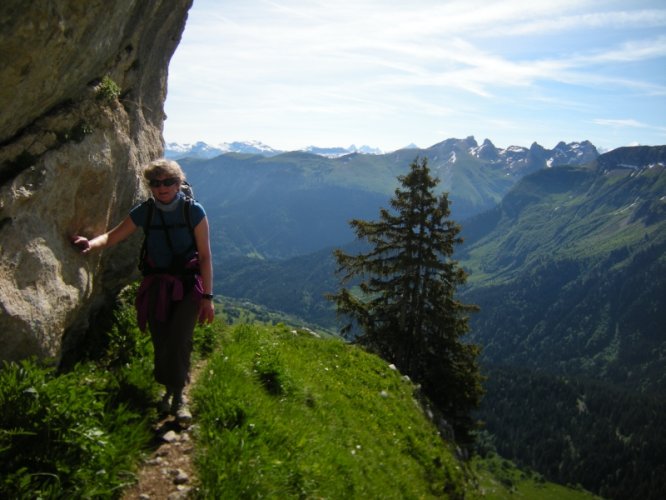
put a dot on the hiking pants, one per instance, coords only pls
(172, 339)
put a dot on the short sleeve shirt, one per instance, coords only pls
(157, 245)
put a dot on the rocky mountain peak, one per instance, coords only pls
(636, 158)
(487, 151)
(574, 153)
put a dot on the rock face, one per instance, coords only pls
(82, 88)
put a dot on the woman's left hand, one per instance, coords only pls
(206, 311)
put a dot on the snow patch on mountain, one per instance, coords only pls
(336, 152)
(518, 157)
(515, 158)
(203, 150)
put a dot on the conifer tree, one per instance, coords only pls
(404, 300)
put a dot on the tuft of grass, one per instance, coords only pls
(108, 90)
(207, 338)
(282, 415)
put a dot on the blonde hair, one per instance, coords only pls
(167, 168)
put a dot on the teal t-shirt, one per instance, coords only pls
(159, 251)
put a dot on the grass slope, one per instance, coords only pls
(283, 414)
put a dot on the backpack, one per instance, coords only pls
(186, 189)
(178, 262)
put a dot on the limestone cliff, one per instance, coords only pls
(82, 88)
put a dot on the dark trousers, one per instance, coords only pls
(172, 340)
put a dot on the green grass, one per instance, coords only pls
(499, 479)
(286, 415)
(78, 433)
(81, 433)
(73, 435)
(280, 414)
(242, 311)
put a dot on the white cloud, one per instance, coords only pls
(351, 61)
(618, 19)
(620, 123)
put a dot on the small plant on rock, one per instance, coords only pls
(108, 90)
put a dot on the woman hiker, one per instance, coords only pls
(177, 288)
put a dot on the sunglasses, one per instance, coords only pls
(155, 183)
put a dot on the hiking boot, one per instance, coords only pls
(183, 415)
(180, 410)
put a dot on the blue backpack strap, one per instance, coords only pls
(150, 208)
(187, 208)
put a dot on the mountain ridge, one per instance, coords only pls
(265, 202)
(487, 150)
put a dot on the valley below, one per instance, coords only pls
(566, 259)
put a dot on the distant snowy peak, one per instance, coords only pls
(251, 147)
(513, 159)
(367, 150)
(573, 153)
(203, 150)
(336, 152)
(175, 150)
(636, 158)
(328, 152)
(486, 151)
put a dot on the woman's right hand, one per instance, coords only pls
(82, 243)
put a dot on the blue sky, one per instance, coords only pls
(388, 73)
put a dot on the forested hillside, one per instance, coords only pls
(296, 286)
(570, 271)
(578, 431)
(570, 275)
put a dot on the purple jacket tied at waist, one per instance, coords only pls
(170, 290)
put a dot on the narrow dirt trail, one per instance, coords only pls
(168, 472)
